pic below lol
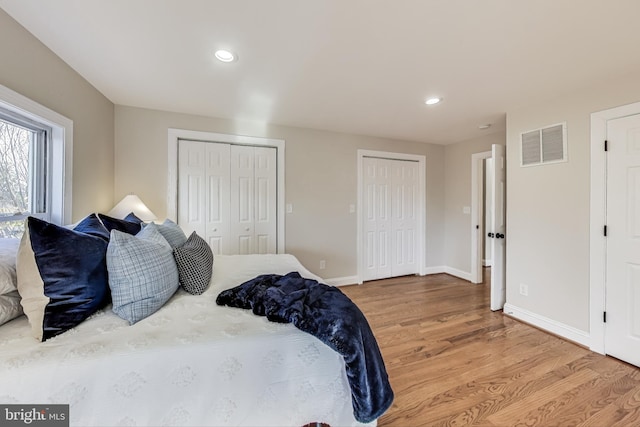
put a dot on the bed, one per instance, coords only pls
(191, 363)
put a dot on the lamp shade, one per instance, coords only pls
(132, 203)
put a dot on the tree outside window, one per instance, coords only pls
(19, 159)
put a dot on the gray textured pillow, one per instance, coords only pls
(142, 273)
(172, 232)
(195, 264)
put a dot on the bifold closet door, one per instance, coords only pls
(203, 192)
(227, 194)
(377, 218)
(253, 199)
(389, 217)
(404, 221)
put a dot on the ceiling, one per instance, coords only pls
(356, 66)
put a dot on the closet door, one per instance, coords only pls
(217, 171)
(265, 200)
(191, 195)
(242, 200)
(253, 200)
(228, 195)
(377, 218)
(203, 192)
(389, 218)
(404, 189)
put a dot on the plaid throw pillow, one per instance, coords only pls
(195, 264)
(172, 232)
(142, 273)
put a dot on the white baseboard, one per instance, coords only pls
(449, 270)
(565, 331)
(342, 281)
(352, 280)
(486, 263)
(458, 273)
(433, 270)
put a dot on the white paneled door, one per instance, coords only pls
(404, 211)
(622, 335)
(389, 217)
(253, 200)
(498, 228)
(203, 189)
(242, 200)
(227, 193)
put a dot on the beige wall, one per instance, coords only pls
(457, 248)
(548, 206)
(321, 180)
(31, 69)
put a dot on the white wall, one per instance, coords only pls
(457, 248)
(321, 180)
(548, 208)
(31, 69)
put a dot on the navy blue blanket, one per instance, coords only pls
(326, 313)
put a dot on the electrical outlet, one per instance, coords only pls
(524, 290)
(323, 264)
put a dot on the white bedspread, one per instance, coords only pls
(192, 363)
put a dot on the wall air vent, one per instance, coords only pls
(545, 145)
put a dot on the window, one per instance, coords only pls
(35, 163)
(23, 172)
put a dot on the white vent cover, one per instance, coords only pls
(545, 145)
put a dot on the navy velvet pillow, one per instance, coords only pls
(129, 227)
(62, 277)
(92, 225)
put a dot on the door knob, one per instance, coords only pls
(490, 235)
(246, 229)
(500, 235)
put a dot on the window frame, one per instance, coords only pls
(39, 180)
(59, 153)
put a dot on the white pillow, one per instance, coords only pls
(8, 254)
(142, 273)
(10, 307)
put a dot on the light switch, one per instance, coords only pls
(352, 208)
(466, 210)
(289, 208)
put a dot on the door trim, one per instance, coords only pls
(477, 178)
(421, 232)
(597, 241)
(172, 177)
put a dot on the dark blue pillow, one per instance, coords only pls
(133, 218)
(62, 277)
(129, 227)
(92, 225)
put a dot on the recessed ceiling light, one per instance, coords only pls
(483, 127)
(225, 55)
(432, 101)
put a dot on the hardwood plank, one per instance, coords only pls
(453, 362)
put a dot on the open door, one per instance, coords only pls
(622, 310)
(496, 233)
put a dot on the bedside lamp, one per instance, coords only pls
(132, 203)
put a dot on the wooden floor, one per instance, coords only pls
(453, 362)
